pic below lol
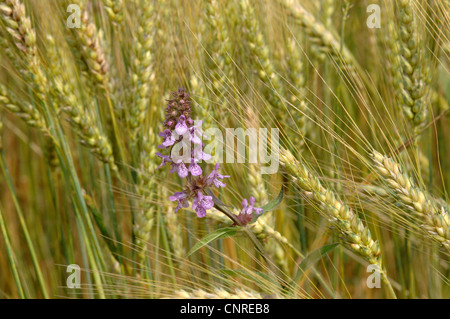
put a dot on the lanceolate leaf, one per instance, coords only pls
(311, 259)
(217, 234)
(274, 203)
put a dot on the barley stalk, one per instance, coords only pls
(216, 294)
(82, 122)
(18, 26)
(328, 11)
(259, 192)
(432, 212)
(90, 44)
(142, 78)
(23, 110)
(413, 78)
(322, 39)
(115, 9)
(144, 218)
(358, 237)
(175, 232)
(262, 61)
(218, 48)
(298, 93)
(86, 127)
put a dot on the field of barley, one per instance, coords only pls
(96, 96)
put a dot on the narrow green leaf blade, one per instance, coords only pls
(311, 259)
(274, 203)
(217, 234)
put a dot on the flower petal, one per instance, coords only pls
(195, 169)
(182, 170)
(177, 196)
(201, 212)
(181, 126)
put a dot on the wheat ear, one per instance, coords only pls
(219, 48)
(297, 97)
(18, 26)
(90, 43)
(432, 212)
(115, 9)
(265, 68)
(143, 75)
(413, 72)
(174, 228)
(81, 121)
(23, 110)
(86, 127)
(357, 236)
(322, 39)
(216, 294)
(144, 217)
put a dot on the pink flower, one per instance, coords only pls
(194, 168)
(246, 214)
(202, 203)
(181, 126)
(181, 198)
(165, 159)
(180, 168)
(195, 134)
(168, 137)
(213, 177)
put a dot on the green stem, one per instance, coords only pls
(11, 255)
(23, 224)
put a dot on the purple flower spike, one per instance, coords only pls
(202, 203)
(168, 137)
(251, 207)
(181, 126)
(194, 168)
(181, 198)
(246, 215)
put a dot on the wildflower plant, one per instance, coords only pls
(183, 138)
(89, 138)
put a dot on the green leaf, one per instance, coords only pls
(217, 234)
(311, 259)
(274, 203)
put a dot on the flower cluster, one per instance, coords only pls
(180, 128)
(246, 215)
